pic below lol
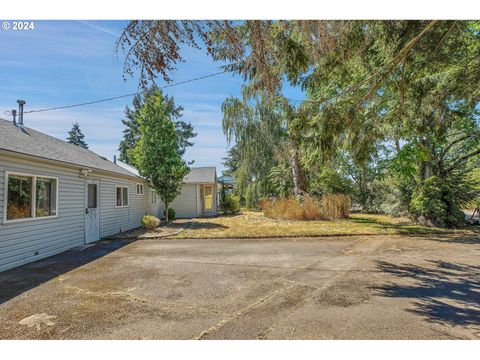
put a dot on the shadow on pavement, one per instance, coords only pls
(23, 278)
(197, 225)
(444, 292)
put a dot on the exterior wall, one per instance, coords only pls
(184, 204)
(20, 241)
(116, 219)
(26, 241)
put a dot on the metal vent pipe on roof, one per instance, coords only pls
(20, 111)
(14, 115)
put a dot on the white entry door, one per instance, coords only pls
(92, 211)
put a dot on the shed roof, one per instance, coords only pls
(201, 175)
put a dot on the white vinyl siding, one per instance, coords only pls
(20, 241)
(26, 241)
(184, 204)
(115, 219)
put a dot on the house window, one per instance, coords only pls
(92, 196)
(46, 197)
(208, 197)
(122, 196)
(139, 189)
(153, 196)
(30, 197)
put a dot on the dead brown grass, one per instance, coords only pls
(329, 207)
(254, 224)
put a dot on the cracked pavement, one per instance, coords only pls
(392, 287)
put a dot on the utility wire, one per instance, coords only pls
(124, 96)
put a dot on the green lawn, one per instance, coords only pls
(254, 224)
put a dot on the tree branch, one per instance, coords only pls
(463, 158)
(456, 141)
(396, 60)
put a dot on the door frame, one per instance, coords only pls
(97, 182)
(204, 209)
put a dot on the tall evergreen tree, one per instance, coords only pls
(76, 137)
(131, 133)
(156, 152)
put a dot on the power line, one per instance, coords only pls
(124, 96)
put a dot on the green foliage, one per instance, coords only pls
(393, 105)
(439, 201)
(156, 154)
(259, 132)
(253, 194)
(427, 201)
(230, 204)
(150, 222)
(331, 181)
(282, 180)
(171, 213)
(76, 137)
(131, 132)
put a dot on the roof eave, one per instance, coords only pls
(67, 164)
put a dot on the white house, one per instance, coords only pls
(55, 195)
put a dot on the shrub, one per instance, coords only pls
(437, 202)
(150, 222)
(331, 207)
(171, 214)
(427, 202)
(230, 204)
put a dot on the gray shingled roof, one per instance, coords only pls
(201, 175)
(31, 142)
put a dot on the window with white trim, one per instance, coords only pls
(122, 196)
(30, 196)
(139, 189)
(153, 196)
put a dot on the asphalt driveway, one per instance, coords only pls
(381, 287)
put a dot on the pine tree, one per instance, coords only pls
(76, 137)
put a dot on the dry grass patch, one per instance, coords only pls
(255, 224)
(329, 207)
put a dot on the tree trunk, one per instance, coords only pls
(363, 188)
(397, 145)
(166, 212)
(298, 175)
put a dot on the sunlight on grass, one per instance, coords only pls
(254, 224)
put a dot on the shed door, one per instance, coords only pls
(92, 211)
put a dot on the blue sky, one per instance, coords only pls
(67, 62)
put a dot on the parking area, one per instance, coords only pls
(376, 287)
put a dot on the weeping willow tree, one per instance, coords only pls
(259, 130)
